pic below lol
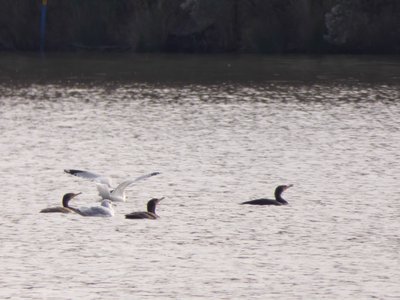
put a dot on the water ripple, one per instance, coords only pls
(216, 146)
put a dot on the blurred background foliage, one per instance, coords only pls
(244, 26)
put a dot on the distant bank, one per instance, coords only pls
(202, 26)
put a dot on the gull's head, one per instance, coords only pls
(107, 203)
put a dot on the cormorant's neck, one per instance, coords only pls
(65, 202)
(282, 201)
(151, 207)
(279, 198)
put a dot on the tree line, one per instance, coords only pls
(205, 26)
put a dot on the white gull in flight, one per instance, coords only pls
(104, 184)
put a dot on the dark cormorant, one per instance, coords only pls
(278, 198)
(65, 208)
(149, 214)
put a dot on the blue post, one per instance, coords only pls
(43, 24)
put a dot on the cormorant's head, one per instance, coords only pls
(155, 200)
(280, 189)
(151, 205)
(68, 197)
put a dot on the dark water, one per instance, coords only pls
(188, 69)
(221, 130)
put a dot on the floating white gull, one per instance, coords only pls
(103, 210)
(104, 184)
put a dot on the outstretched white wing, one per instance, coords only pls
(103, 190)
(120, 189)
(91, 176)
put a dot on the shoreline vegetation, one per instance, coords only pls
(204, 26)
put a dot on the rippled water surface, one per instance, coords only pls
(216, 144)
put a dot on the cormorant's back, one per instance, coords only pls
(262, 202)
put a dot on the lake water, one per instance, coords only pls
(221, 130)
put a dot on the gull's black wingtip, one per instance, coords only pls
(72, 171)
(155, 173)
